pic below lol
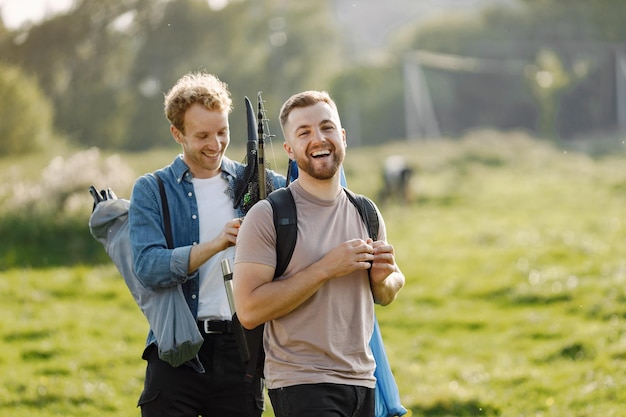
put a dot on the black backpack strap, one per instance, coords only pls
(286, 224)
(368, 212)
(167, 225)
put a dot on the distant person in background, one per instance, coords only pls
(199, 186)
(397, 176)
(319, 314)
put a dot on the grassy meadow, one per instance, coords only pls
(514, 252)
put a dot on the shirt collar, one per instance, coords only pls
(181, 170)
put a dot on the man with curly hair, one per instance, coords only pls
(205, 222)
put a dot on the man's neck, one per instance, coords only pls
(323, 189)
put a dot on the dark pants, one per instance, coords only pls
(323, 400)
(183, 392)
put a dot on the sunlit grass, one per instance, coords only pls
(514, 253)
(514, 299)
(71, 343)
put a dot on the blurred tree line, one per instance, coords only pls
(553, 67)
(96, 74)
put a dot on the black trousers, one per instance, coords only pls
(323, 400)
(183, 392)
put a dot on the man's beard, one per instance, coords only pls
(324, 172)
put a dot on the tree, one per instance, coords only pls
(81, 60)
(251, 45)
(548, 80)
(515, 83)
(26, 113)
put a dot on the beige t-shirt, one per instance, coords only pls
(326, 339)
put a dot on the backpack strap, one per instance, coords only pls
(286, 224)
(367, 210)
(167, 226)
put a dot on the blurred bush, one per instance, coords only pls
(45, 222)
(26, 113)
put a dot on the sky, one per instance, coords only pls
(16, 12)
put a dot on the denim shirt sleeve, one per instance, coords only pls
(278, 180)
(155, 264)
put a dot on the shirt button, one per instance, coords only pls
(193, 296)
(194, 243)
(190, 194)
(194, 217)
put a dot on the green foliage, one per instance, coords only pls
(105, 65)
(61, 189)
(47, 240)
(599, 20)
(512, 44)
(268, 49)
(26, 113)
(548, 80)
(80, 59)
(370, 122)
(48, 214)
(513, 251)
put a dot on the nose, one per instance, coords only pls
(213, 141)
(319, 135)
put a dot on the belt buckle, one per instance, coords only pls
(206, 328)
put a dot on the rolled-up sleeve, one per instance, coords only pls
(155, 264)
(179, 263)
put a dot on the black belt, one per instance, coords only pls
(215, 326)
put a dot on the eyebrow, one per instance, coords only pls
(322, 122)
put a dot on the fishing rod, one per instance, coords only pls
(251, 187)
(262, 122)
(252, 182)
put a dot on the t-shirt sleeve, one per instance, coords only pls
(256, 241)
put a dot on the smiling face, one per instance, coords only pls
(205, 139)
(315, 139)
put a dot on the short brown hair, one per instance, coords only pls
(304, 99)
(196, 87)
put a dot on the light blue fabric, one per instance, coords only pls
(388, 402)
(179, 339)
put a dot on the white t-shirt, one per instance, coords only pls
(215, 209)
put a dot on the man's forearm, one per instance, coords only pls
(386, 291)
(201, 253)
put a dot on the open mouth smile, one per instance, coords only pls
(320, 154)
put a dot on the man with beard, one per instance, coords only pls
(319, 314)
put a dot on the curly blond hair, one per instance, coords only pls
(196, 87)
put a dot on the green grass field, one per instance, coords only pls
(514, 252)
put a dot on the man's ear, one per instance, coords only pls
(176, 134)
(288, 150)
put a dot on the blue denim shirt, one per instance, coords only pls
(155, 265)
